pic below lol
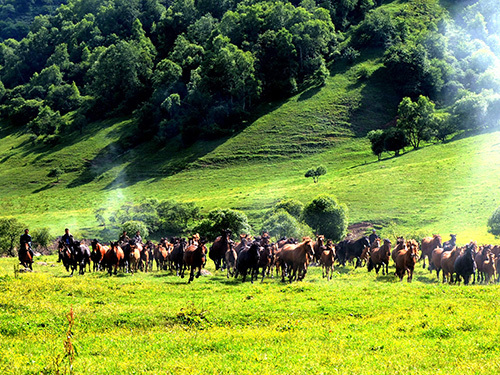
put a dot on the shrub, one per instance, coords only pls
(494, 223)
(326, 216)
(221, 219)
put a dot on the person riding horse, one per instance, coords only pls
(25, 242)
(67, 239)
(137, 238)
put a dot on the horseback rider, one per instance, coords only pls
(25, 239)
(124, 238)
(374, 236)
(137, 238)
(68, 239)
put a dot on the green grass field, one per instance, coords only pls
(356, 323)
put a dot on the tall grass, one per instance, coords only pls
(157, 323)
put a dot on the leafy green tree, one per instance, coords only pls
(417, 119)
(377, 140)
(394, 140)
(315, 173)
(47, 122)
(444, 126)
(469, 111)
(282, 224)
(221, 219)
(64, 98)
(292, 206)
(177, 217)
(132, 226)
(10, 231)
(42, 237)
(326, 216)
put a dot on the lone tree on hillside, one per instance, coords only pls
(315, 173)
(326, 216)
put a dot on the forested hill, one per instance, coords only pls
(203, 69)
(17, 15)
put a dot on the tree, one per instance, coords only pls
(377, 139)
(177, 217)
(133, 226)
(417, 119)
(394, 140)
(282, 224)
(292, 206)
(10, 231)
(221, 219)
(326, 216)
(494, 223)
(316, 172)
(42, 237)
(99, 216)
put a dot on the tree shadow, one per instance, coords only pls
(44, 188)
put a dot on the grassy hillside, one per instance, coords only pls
(157, 323)
(439, 188)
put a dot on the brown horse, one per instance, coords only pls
(294, 259)
(134, 258)
(161, 255)
(114, 257)
(405, 259)
(429, 244)
(448, 263)
(327, 259)
(266, 259)
(319, 247)
(25, 257)
(219, 248)
(435, 260)
(379, 257)
(97, 255)
(194, 258)
(245, 242)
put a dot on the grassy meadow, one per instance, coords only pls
(356, 323)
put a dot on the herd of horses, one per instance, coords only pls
(286, 258)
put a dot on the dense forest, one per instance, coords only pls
(198, 68)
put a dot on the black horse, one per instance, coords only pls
(248, 260)
(348, 250)
(465, 265)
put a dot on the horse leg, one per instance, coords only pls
(191, 275)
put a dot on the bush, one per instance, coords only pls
(10, 231)
(326, 216)
(282, 224)
(494, 223)
(221, 219)
(42, 237)
(293, 207)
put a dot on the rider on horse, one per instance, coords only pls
(67, 239)
(24, 240)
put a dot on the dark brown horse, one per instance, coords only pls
(294, 259)
(219, 248)
(194, 258)
(67, 255)
(379, 257)
(25, 257)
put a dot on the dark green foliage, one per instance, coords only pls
(56, 173)
(326, 216)
(315, 173)
(394, 140)
(221, 219)
(10, 231)
(494, 223)
(377, 139)
(47, 122)
(177, 217)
